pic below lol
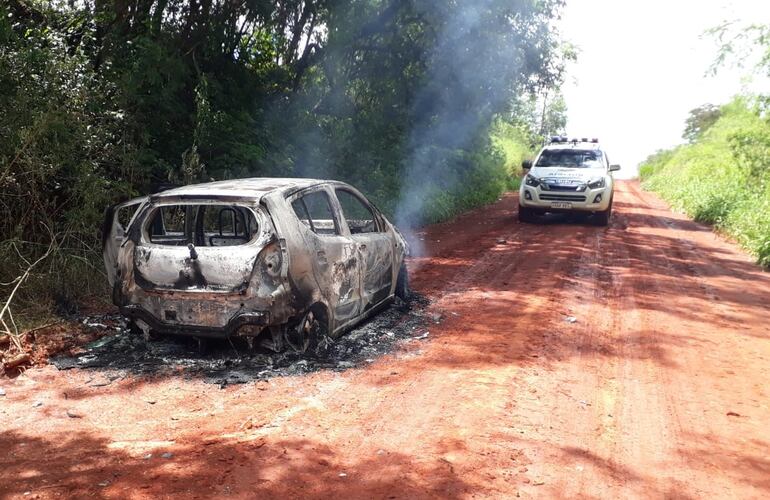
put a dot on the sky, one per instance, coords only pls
(642, 67)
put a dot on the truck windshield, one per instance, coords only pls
(570, 158)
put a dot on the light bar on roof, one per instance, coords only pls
(556, 139)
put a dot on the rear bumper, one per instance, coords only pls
(239, 320)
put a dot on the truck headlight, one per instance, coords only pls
(597, 183)
(531, 180)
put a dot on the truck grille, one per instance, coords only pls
(564, 187)
(562, 197)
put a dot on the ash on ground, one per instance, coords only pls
(231, 361)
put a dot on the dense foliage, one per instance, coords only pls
(413, 101)
(723, 176)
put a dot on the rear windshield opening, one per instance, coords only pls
(202, 225)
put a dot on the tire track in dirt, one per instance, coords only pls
(439, 433)
(696, 269)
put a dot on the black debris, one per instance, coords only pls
(231, 361)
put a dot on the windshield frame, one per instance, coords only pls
(602, 160)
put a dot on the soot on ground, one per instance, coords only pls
(232, 362)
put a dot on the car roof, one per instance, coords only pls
(254, 187)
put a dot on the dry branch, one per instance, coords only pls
(14, 334)
(16, 361)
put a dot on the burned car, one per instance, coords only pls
(288, 261)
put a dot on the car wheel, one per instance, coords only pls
(603, 218)
(306, 333)
(147, 333)
(402, 284)
(526, 214)
(133, 328)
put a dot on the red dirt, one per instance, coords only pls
(658, 389)
(60, 338)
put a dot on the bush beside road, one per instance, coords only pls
(722, 177)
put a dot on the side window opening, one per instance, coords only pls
(300, 210)
(125, 214)
(205, 225)
(314, 210)
(359, 216)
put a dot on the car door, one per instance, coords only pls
(335, 262)
(117, 220)
(373, 244)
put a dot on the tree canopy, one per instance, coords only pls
(101, 100)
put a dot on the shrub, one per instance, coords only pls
(723, 177)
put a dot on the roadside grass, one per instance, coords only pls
(723, 177)
(489, 173)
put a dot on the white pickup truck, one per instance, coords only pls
(568, 175)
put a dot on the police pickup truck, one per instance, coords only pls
(568, 175)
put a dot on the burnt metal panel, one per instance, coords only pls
(265, 283)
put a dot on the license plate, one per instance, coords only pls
(561, 204)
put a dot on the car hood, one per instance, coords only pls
(577, 175)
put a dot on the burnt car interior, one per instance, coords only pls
(202, 225)
(314, 210)
(358, 215)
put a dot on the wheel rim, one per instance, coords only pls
(300, 336)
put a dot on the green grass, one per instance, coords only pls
(513, 144)
(488, 173)
(723, 178)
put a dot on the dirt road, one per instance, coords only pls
(569, 361)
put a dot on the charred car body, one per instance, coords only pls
(286, 260)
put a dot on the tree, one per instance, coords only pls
(742, 45)
(101, 100)
(700, 120)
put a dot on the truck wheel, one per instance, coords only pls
(402, 284)
(603, 218)
(526, 214)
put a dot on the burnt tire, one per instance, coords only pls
(403, 291)
(148, 334)
(526, 214)
(603, 218)
(307, 333)
(133, 328)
